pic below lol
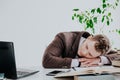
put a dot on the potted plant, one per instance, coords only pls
(100, 15)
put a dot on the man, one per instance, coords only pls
(77, 49)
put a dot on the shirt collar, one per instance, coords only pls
(81, 41)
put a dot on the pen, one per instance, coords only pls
(74, 68)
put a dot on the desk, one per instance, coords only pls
(42, 76)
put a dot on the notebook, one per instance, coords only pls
(103, 70)
(8, 63)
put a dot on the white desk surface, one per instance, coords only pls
(42, 75)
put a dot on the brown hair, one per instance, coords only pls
(102, 43)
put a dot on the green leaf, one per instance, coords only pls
(75, 9)
(85, 20)
(75, 14)
(95, 19)
(117, 0)
(93, 11)
(108, 4)
(103, 18)
(109, 14)
(107, 17)
(116, 4)
(72, 17)
(103, 1)
(78, 15)
(91, 23)
(98, 10)
(88, 24)
(87, 12)
(103, 11)
(104, 6)
(119, 31)
(81, 19)
(108, 23)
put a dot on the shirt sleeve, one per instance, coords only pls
(74, 63)
(104, 60)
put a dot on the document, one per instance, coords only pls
(97, 77)
(90, 71)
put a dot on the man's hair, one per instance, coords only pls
(102, 43)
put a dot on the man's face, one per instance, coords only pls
(87, 49)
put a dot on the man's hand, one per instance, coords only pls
(89, 62)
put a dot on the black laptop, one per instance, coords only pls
(7, 62)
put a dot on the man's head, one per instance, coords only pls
(94, 46)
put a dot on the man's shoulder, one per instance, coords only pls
(72, 33)
(69, 33)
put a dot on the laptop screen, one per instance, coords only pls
(7, 60)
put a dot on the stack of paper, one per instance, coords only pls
(89, 71)
(97, 77)
(116, 63)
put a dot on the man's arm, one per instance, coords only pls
(113, 55)
(107, 59)
(89, 62)
(53, 56)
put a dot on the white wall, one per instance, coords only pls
(32, 24)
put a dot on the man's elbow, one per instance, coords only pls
(45, 64)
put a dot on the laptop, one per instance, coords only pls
(8, 64)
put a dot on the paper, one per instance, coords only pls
(116, 63)
(92, 77)
(90, 70)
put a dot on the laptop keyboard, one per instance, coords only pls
(21, 73)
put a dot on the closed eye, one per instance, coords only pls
(90, 54)
(86, 47)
